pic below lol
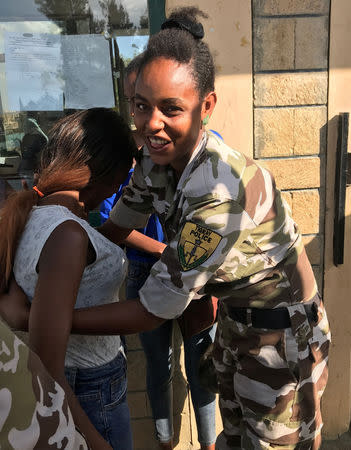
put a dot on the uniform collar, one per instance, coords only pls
(188, 168)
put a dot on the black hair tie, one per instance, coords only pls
(194, 28)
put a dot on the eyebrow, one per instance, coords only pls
(172, 100)
(139, 96)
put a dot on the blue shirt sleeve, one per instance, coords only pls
(110, 202)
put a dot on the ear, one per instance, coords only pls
(208, 104)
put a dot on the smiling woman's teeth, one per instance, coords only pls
(157, 141)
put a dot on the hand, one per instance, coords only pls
(15, 307)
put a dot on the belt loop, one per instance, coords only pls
(249, 317)
(300, 326)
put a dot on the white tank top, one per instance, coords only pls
(100, 282)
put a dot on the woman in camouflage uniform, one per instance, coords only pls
(230, 235)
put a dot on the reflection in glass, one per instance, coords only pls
(32, 89)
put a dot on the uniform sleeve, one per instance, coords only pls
(209, 233)
(134, 207)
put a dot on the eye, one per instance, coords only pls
(142, 107)
(172, 110)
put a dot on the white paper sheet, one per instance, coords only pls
(33, 64)
(87, 71)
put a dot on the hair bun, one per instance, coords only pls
(194, 28)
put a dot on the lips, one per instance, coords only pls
(157, 143)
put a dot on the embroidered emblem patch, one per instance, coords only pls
(196, 244)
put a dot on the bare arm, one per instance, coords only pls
(115, 318)
(113, 232)
(144, 243)
(61, 265)
(131, 238)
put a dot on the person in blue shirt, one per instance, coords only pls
(158, 344)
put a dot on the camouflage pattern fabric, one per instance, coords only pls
(271, 381)
(227, 229)
(34, 413)
(232, 236)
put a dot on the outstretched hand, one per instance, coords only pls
(15, 307)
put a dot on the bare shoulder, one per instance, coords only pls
(68, 241)
(70, 233)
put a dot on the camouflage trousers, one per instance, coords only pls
(271, 382)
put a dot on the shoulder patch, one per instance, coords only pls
(196, 244)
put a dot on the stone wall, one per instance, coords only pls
(290, 78)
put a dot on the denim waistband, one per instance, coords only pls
(91, 373)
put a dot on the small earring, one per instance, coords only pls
(205, 120)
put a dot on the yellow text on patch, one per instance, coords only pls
(196, 244)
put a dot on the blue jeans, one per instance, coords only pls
(157, 345)
(102, 391)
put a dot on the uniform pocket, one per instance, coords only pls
(312, 342)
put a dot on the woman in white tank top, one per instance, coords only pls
(62, 263)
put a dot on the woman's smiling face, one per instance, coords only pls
(168, 112)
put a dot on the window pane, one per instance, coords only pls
(57, 56)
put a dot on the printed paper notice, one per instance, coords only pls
(87, 69)
(33, 64)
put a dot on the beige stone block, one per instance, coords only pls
(287, 197)
(138, 405)
(274, 44)
(310, 130)
(305, 210)
(274, 132)
(136, 371)
(289, 131)
(295, 173)
(311, 36)
(284, 89)
(282, 7)
(314, 248)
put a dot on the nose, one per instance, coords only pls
(155, 120)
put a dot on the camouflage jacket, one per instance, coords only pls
(229, 232)
(33, 407)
